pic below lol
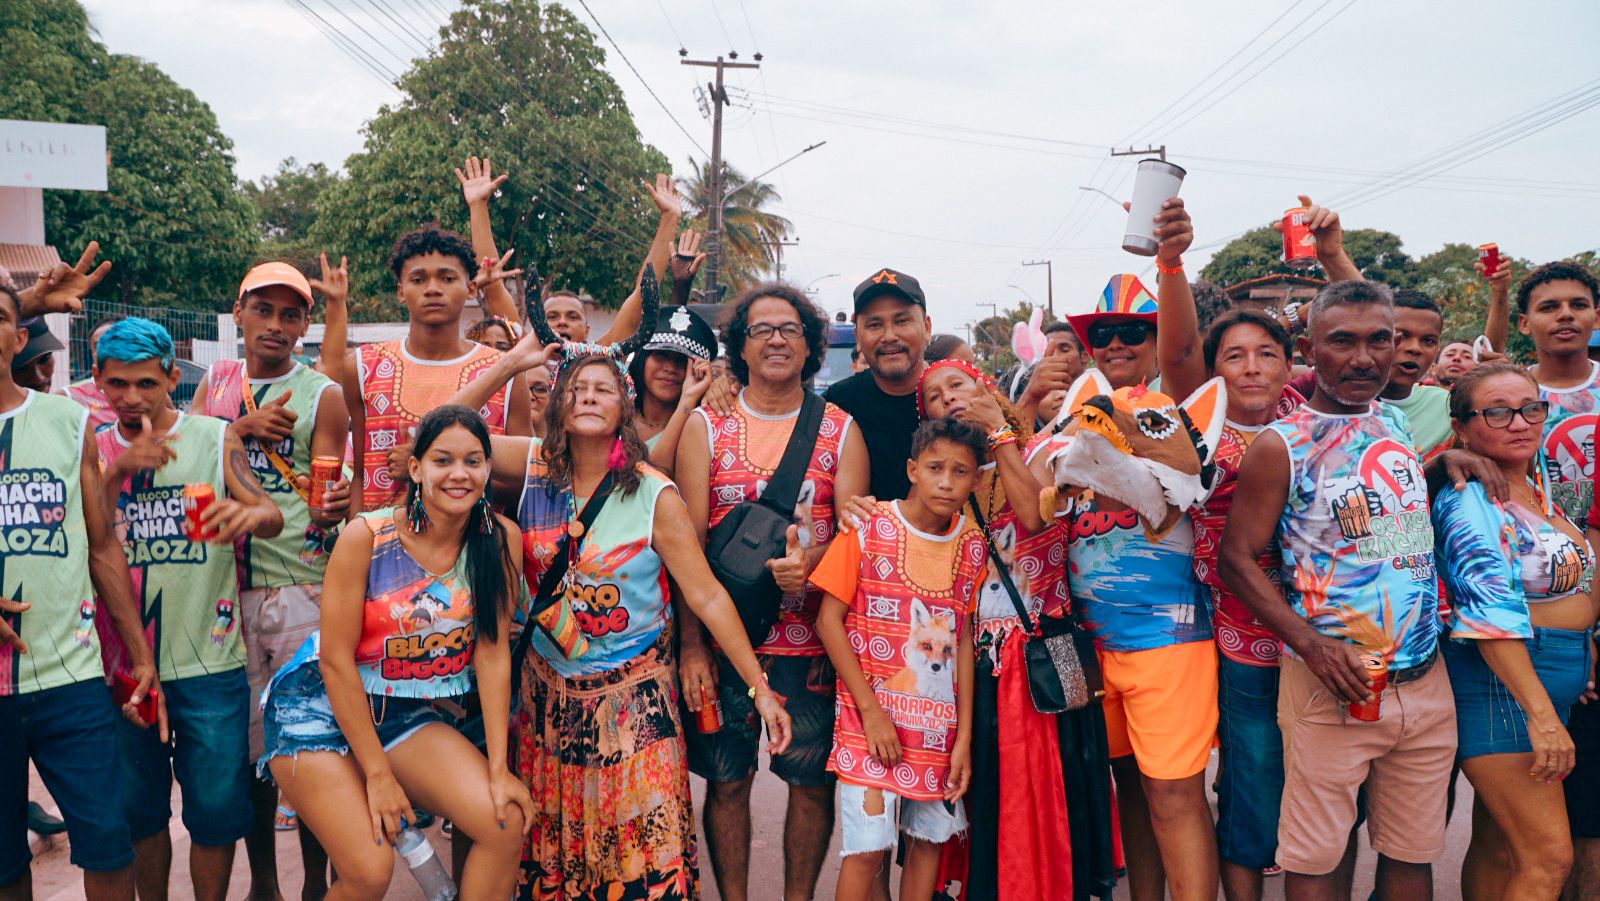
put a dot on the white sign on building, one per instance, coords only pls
(52, 155)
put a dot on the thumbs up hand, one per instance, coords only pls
(790, 570)
(272, 422)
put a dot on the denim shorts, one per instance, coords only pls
(297, 717)
(1488, 719)
(863, 833)
(70, 733)
(807, 685)
(1250, 781)
(209, 753)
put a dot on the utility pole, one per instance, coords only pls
(777, 245)
(1049, 284)
(719, 99)
(1159, 151)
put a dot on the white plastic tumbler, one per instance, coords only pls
(1156, 181)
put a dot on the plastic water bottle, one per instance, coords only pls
(426, 867)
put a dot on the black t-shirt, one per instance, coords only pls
(886, 422)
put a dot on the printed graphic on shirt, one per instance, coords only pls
(430, 633)
(1569, 444)
(1356, 534)
(33, 506)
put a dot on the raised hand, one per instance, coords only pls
(687, 259)
(790, 571)
(1174, 231)
(63, 288)
(1325, 228)
(493, 270)
(271, 422)
(665, 196)
(479, 183)
(531, 353)
(335, 283)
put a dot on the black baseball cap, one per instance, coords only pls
(889, 281)
(40, 342)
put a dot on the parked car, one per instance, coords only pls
(836, 361)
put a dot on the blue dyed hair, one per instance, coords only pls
(134, 340)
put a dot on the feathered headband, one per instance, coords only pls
(650, 297)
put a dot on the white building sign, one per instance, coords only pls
(52, 155)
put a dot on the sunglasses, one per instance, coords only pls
(1131, 334)
(1532, 413)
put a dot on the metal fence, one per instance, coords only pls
(195, 333)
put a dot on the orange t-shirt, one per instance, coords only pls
(911, 595)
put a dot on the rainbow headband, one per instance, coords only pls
(979, 375)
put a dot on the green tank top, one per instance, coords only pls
(299, 554)
(44, 549)
(188, 591)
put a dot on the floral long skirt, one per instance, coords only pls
(604, 758)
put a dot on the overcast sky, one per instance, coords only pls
(934, 113)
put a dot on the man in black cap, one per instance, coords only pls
(892, 329)
(35, 365)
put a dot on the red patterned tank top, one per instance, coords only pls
(911, 595)
(397, 390)
(745, 449)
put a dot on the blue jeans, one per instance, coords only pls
(1250, 784)
(209, 718)
(1488, 719)
(70, 732)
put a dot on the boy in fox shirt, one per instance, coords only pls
(896, 618)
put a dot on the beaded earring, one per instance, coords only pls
(485, 515)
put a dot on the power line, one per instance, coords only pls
(585, 5)
(1202, 110)
(409, 35)
(721, 24)
(1209, 75)
(363, 29)
(346, 46)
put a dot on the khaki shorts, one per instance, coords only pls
(276, 622)
(1403, 759)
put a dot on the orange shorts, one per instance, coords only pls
(1161, 707)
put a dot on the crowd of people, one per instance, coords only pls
(526, 581)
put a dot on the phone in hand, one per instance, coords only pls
(122, 688)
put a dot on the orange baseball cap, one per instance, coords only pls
(268, 274)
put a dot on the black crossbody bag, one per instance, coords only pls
(1063, 669)
(550, 592)
(753, 532)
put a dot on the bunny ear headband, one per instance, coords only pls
(1027, 339)
(649, 293)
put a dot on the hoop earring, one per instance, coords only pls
(416, 513)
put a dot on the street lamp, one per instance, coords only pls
(820, 278)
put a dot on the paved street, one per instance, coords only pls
(56, 880)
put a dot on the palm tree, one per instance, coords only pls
(748, 232)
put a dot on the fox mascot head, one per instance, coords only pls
(1138, 447)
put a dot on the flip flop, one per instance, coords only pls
(286, 820)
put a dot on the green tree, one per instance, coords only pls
(172, 220)
(521, 83)
(749, 231)
(1259, 252)
(286, 202)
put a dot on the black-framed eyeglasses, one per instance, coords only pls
(540, 389)
(761, 331)
(1131, 334)
(1533, 413)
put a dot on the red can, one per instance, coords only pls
(1378, 680)
(324, 473)
(709, 719)
(1299, 245)
(1489, 256)
(196, 498)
